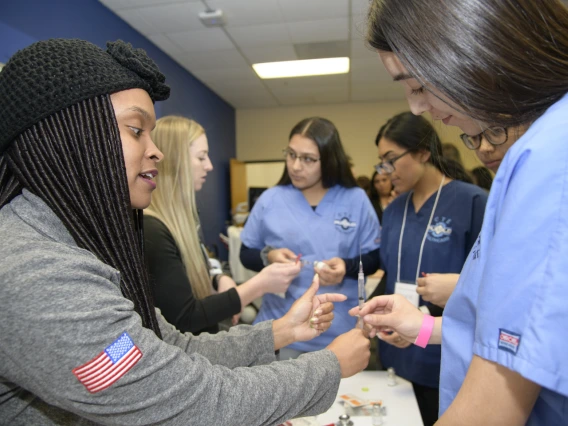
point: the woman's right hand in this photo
(276, 277)
(281, 255)
(391, 312)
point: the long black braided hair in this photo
(73, 161)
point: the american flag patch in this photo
(110, 365)
(509, 341)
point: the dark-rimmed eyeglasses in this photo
(387, 167)
(291, 156)
(494, 135)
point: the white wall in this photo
(262, 133)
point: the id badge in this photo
(408, 290)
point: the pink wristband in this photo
(425, 331)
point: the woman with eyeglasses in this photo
(318, 216)
(483, 65)
(430, 227)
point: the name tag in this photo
(407, 290)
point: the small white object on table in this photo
(399, 400)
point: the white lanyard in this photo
(425, 233)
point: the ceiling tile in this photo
(135, 19)
(132, 4)
(174, 17)
(209, 39)
(248, 12)
(366, 92)
(261, 35)
(318, 31)
(166, 44)
(311, 10)
(359, 10)
(360, 50)
(250, 98)
(257, 55)
(369, 70)
(213, 60)
(231, 76)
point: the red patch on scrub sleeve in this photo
(110, 365)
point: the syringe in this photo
(361, 292)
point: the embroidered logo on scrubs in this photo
(110, 365)
(476, 248)
(439, 231)
(509, 341)
(342, 222)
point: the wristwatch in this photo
(264, 255)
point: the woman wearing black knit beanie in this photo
(80, 339)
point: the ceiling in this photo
(265, 31)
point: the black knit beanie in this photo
(54, 74)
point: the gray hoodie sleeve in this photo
(62, 308)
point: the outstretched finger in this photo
(331, 297)
(379, 303)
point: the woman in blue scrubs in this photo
(430, 227)
(486, 67)
(317, 211)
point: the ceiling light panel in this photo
(302, 68)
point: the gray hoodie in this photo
(63, 314)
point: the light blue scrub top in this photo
(343, 221)
(511, 303)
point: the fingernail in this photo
(313, 320)
(318, 312)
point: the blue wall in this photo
(23, 22)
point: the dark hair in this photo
(415, 133)
(450, 151)
(375, 197)
(483, 177)
(335, 163)
(59, 159)
(364, 183)
(502, 62)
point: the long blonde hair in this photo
(173, 201)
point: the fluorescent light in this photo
(302, 68)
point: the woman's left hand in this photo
(331, 272)
(312, 314)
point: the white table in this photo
(399, 400)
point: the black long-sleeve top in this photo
(172, 290)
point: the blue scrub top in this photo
(343, 221)
(455, 226)
(511, 303)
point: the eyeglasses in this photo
(387, 167)
(494, 135)
(291, 156)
